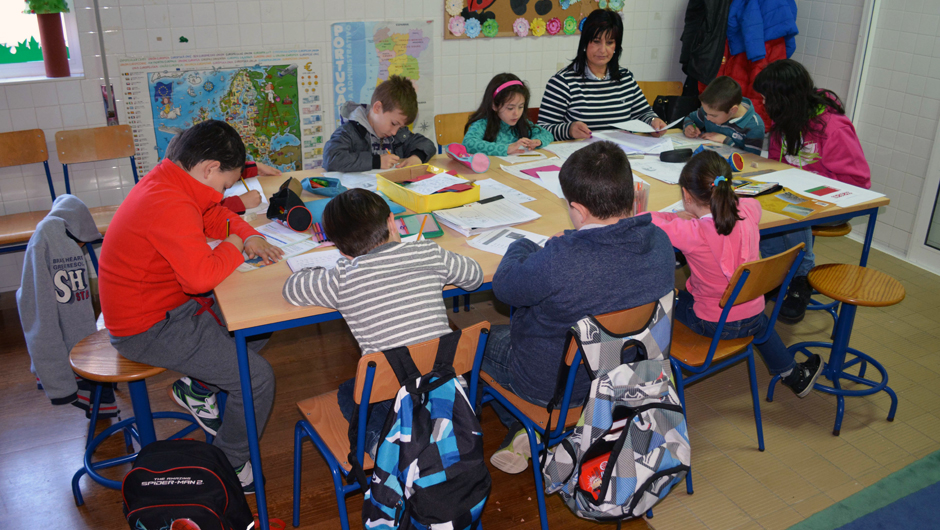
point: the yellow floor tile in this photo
(780, 519)
(814, 504)
(789, 486)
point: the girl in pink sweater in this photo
(809, 130)
(717, 233)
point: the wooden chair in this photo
(448, 128)
(26, 147)
(703, 356)
(535, 418)
(92, 145)
(324, 424)
(651, 89)
(828, 231)
(852, 286)
(96, 360)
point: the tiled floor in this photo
(805, 468)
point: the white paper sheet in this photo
(326, 259)
(653, 167)
(289, 251)
(498, 241)
(819, 188)
(516, 170)
(475, 218)
(565, 149)
(354, 180)
(239, 189)
(280, 236)
(632, 143)
(549, 181)
(524, 157)
(492, 188)
(435, 183)
(674, 208)
(638, 126)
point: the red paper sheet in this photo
(534, 172)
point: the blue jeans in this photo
(784, 241)
(774, 352)
(377, 415)
(496, 358)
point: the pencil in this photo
(227, 226)
(422, 228)
(247, 189)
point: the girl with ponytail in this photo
(718, 232)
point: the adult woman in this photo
(594, 92)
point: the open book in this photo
(483, 216)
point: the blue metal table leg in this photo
(251, 425)
(143, 416)
(869, 234)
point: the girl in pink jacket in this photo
(809, 130)
(717, 233)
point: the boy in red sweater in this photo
(155, 264)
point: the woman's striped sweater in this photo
(598, 103)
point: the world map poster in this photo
(367, 53)
(273, 100)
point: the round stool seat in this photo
(856, 285)
(94, 358)
(832, 231)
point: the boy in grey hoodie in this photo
(54, 301)
(376, 136)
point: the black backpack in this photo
(184, 485)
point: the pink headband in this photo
(504, 85)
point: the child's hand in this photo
(267, 171)
(579, 130)
(251, 199)
(714, 137)
(692, 131)
(410, 161)
(519, 146)
(530, 143)
(257, 247)
(389, 160)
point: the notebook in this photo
(483, 216)
(326, 259)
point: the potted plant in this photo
(54, 53)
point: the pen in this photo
(422, 228)
(227, 226)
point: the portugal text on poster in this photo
(273, 98)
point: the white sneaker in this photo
(246, 477)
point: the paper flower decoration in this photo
(553, 26)
(45, 7)
(538, 27)
(456, 25)
(490, 28)
(615, 5)
(473, 28)
(571, 25)
(521, 27)
(565, 4)
(454, 7)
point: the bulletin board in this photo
(478, 19)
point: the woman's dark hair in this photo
(208, 140)
(599, 24)
(491, 115)
(793, 103)
(698, 178)
(356, 221)
(599, 178)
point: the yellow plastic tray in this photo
(387, 183)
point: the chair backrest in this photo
(385, 385)
(619, 322)
(765, 275)
(534, 114)
(91, 145)
(448, 128)
(651, 89)
(23, 147)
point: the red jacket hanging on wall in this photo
(744, 71)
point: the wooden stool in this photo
(95, 359)
(831, 307)
(853, 286)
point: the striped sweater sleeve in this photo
(461, 271)
(316, 286)
(553, 113)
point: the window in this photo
(20, 50)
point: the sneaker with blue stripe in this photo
(200, 403)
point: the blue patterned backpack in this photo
(631, 444)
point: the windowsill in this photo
(39, 79)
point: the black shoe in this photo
(804, 376)
(794, 305)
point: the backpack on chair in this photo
(631, 444)
(429, 467)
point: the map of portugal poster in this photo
(273, 100)
(367, 53)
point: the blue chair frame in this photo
(304, 429)
(742, 274)
(538, 439)
(93, 140)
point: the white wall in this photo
(827, 40)
(133, 27)
(900, 108)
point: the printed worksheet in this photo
(498, 241)
(326, 259)
(492, 188)
(253, 184)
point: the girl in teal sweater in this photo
(501, 125)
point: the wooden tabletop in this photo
(254, 298)
(19, 227)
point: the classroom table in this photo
(251, 302)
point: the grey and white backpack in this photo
(631, 444)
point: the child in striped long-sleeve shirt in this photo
(389, 292)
